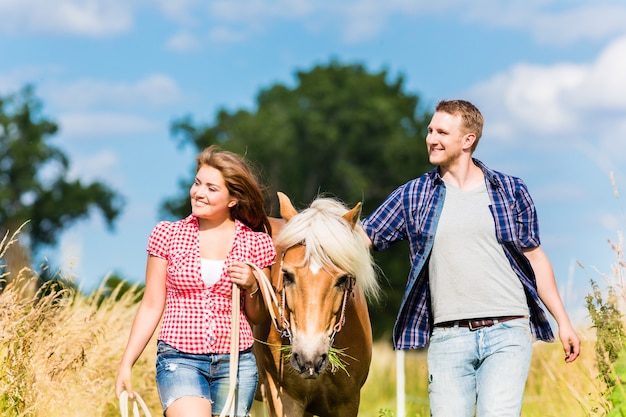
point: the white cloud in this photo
(153, 91)
(183, 42)
(567, 105)
(181, 11)
(596, 22)
(555, 21)
(605, 82)
(355, 20)
(103, 166)
(82, 126)
(225, 34)
(558, 22)
(255, 12)
(76, 17)
(15, 78)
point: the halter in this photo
(282, 323)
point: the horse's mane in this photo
(330, 240)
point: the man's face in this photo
(445, 139)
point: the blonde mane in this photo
(331, 241)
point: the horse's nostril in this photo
(296, 359)
(322, 362)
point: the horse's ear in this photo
(354, 215)
(287, 211)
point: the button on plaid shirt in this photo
(197, 317)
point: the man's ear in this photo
(468, 140)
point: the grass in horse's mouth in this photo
(335, 356)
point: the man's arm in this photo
(549, 295)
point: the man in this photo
(477, 273)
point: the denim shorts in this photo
(180, 374)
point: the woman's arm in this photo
(145, 322)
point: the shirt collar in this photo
(490, 175)
(191, 219)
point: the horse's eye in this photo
(343, 282)
(288, 277)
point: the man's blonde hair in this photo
(470, 115)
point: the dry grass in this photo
(59, 357)
(59, 354)
(554, 388)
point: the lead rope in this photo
(269, 297)
(137, 399)
(234, 353)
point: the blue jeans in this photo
(482, 371)
(180, 374)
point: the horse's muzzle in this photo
(309, 368)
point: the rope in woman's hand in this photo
(269, 297)
(136, 400)
(229, 405)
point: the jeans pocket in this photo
(441, 334)
(164, 349)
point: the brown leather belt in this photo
(475, 324)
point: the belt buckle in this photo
(476, 325)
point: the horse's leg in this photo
(347, 409)
(278, 403)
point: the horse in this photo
(322, 279)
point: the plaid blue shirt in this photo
(412, 212)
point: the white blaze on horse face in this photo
(314, 267)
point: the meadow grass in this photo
(60, 350)
(59, 357)
(59, 354)
(554, 388)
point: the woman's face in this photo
(210, 198)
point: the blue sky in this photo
(548, 76)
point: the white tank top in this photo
(211, 270)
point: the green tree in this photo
(35, 190)
(341, 130)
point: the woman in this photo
(192, 264)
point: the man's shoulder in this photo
(426, 179)
(499, 178)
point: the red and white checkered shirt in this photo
(198, 317)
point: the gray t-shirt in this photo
(470, 276)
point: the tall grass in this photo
(59, 350)
(554, 388)
(59, 353)
(59, 356)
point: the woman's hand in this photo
(241, 274)
(122, 382)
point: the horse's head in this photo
(324, 256)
